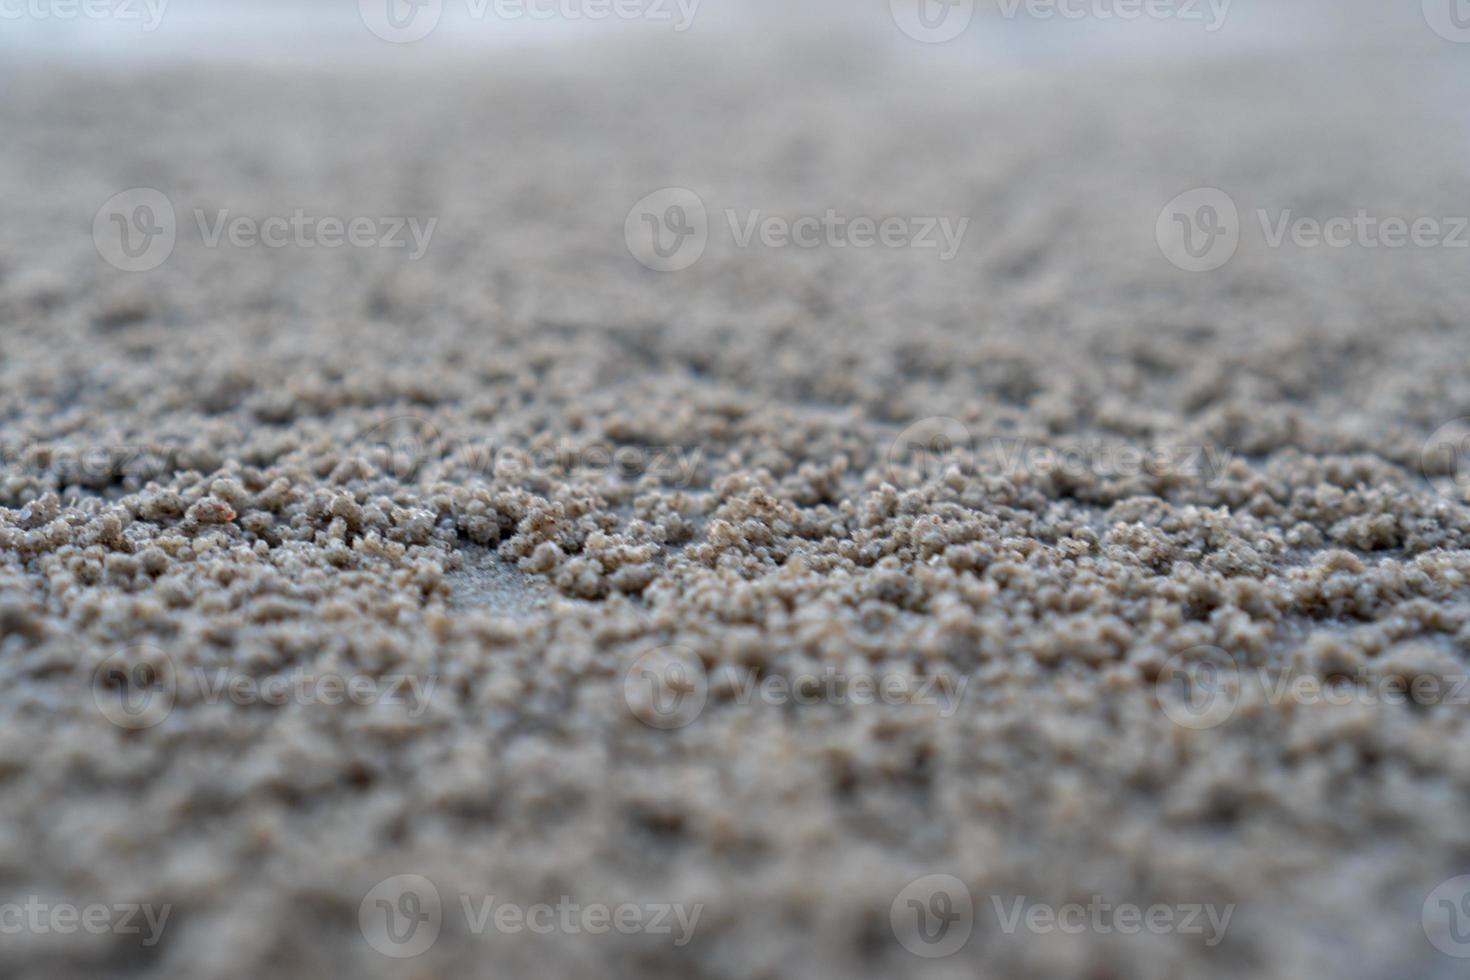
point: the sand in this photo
(557, 532)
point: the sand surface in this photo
(570, 509)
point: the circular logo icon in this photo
(933, 916)
(400, 917)
(136, 230)
(1199, 230)
(1446, 917)
(666, 688)
(400, 445)
(932, 444)
(401, 21)
(135, 688)
(667, 231)
(1445, 459)
(932, 21)
(1450, 19)
(1199, 688)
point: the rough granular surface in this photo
(762, 590)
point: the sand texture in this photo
(523, 468)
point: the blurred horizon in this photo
(334, 31)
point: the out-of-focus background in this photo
(225, 454)
(998, 31)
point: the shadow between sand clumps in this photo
(490, 584)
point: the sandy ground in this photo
(568, 526)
